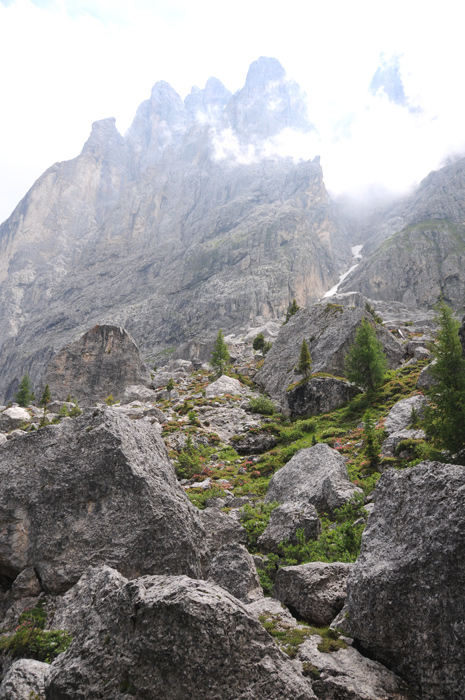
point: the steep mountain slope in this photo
(418, 245)
(173, 231)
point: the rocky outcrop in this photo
(414, 543)
(182, 637)
(316, 475)
(24, 679)
(95, 489)
(313, 592)
(422, 259)
(329, 328)
(104, 361)
(199, 237)
(320, 395)
(284, 523)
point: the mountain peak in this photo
(262, 72)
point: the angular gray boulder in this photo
(320, 395)
(171, 637)
(284, 523)
(405, 592)
(400, 415)
(316, 475)
(94, 489)
(347, 675)
(104, 361)
(25, 680)
(313, 592)
(329, 327)
(13, 417)
(234, 570)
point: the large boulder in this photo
(13, 417)
(316, 475)
(284, 523)
(313, 592)
(170, 637)
(233, 569)
(405, 592)
(223, 385)
(329, 327)
(95, 489)
(400, 415)
(25, 680)
(320, 395)
(104, 361)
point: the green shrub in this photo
(254, 519)
(31, 641)
(262, 405)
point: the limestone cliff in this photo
(417, 246)
(165, 231)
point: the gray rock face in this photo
(182, 637)
(329, 327)
(198, 240)
(234, 570)
(400, 415)
(314, 592)
(347, 675)
(284, 522)
(320, 395)
(96, 489)
(316, 475)
(221, 529)
(104, 361)
(426, 379)
(405, 592)
(423, 258)
(25, 679)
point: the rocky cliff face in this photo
(418, 245)
(178, 229)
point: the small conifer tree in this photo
(445, 418)
(25, 394)
(170, 387)
(366, 362)
(258, 342)
(45, 398)
(220, 355)
(305, 361)
(291, 310)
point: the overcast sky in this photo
(67, 63)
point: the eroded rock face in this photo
(405, 592)
(329, 327)
(284, 522)
(104, 361)
(182, 637)
(314, 592)
(320, 395)
(95, 489)
(316, 475)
